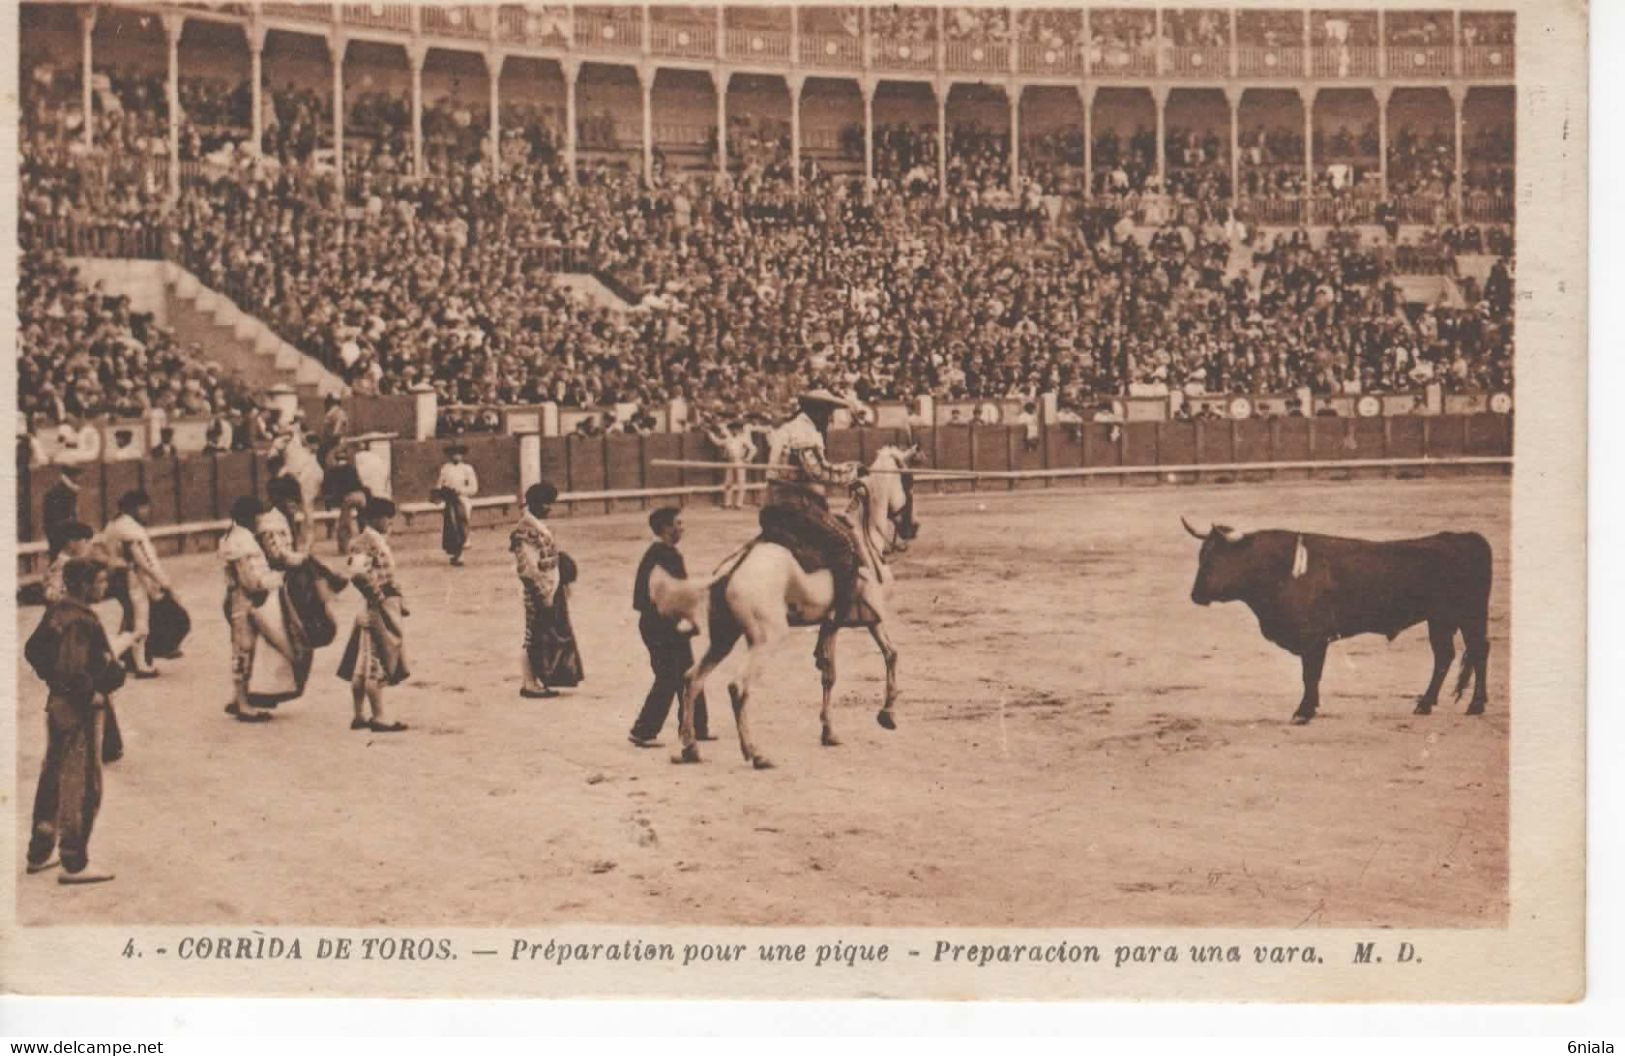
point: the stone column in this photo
(1458, 106)
(1233, 97)
(173, 26)
(256, 88)
(646, 81)
(721, 78)
(1382, 93)
(1087, 94)
(943, 88)
(416, 54)
(867, 87)
(87, 73)
(795, 82)
(494, 61)
(1014, 93)
(337, 45)
(1307, 96)
(1159, 97)
(571, 68)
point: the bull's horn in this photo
(1188, 528)
(1228, 534)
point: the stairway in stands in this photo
(201, 317)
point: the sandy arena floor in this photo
(1079, 744)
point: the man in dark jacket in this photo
(670, 654)
(71, 654)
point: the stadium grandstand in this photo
(615, 209)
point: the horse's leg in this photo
(877, 630)
(754, 663)
(723, 638)
(825, 656)
(693, 682)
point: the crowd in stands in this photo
(83, 353)
(744, 290)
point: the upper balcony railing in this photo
(1420, 60)
(1487, 60)
(379, 16)
(302, 12)
(1255, 61)
(1345, 61)
(621, 32)
(683, 40)
(970, 56)
(1204, 62)
(759, 45)
(1050, 59)
(1119, 60)
(462, 20)
(620, 35)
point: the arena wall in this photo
(192, 494)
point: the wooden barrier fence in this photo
(192, 495)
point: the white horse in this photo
(301, 463)
(766, 592)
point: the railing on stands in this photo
(1343, 209)
(690, 40)
(301, 12)
(620, 30)
(77, 238)
(1197, 62)
(1258, 61)
(759, 45)
(609, 34)
(458, 20)
(678, 134)
(1422, 209)
(905, 54)
(822, 140)
(831, 49)
(1489, 60)
(1119, 60)
(1044, 59)
(1275, 212)
(1406, 61)
(1351, 61)
(971, 56)
(1422, 260)
(379, 16)
(1487, 208)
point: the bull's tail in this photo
(1465, 676)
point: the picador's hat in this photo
(824, 396)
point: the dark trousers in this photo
(670, 657)
(70, 788)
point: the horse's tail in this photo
(681, 599)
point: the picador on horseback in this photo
(797, 507)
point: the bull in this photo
(1308, 591)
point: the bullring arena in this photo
(1078, 744)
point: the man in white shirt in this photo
(130, 550)
(456, 488)
(734, 441)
